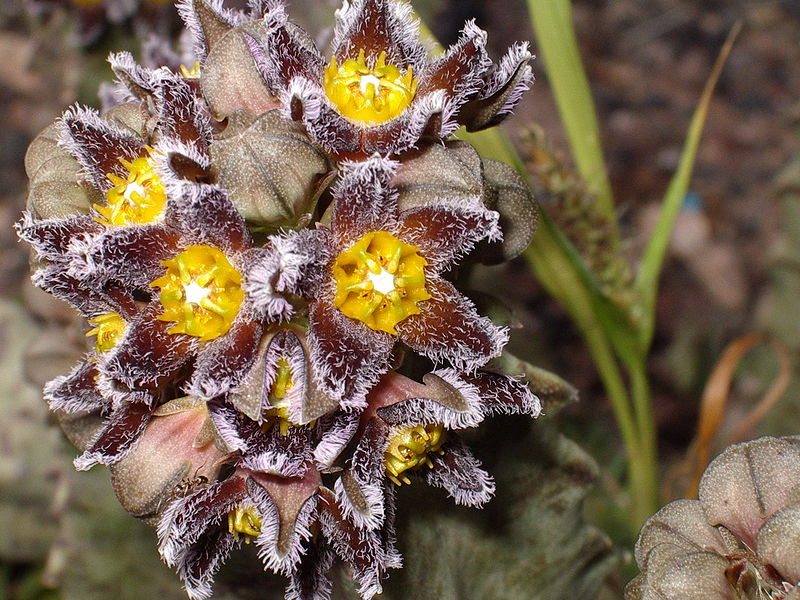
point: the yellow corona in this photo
(279, 413)
(410, 448)
(370, 95)
(193, 73)
(245, 521)
(109, 329)
(136, 199)
(201, 292)
(379, 281)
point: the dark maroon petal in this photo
(148, 355)
(208, 21)
(236, 430)
(181, 113)
(459, 71)
(443, 398)
(448, 328)
(76, 392)
(133, 77)
(186, 520)
(363, 199)
(284, 52)
(198, 565)
(275, 453)
(458, 472)
(333, 132)
(205, 215)
(502, 394)
(131, 255)
(225, 361)
(337, 429)
(51, 237)
(360, 488)
(310, 581)
(55, 280)
(118, 436)
(445, 234)
(98, 145)
(501, 91)
(377, 26)
(347, 357)
(361, 549)
(288, 508)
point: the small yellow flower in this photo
(193, 73)
(109, 329)
(279, 413)
(201, 292)
(136, 199)
(379, 281)
(244, 520)
(370, 95)
(410, 448)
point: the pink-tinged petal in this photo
(360, 488)
(378, 26)
(503, 88)
(309, 580)
(207, 21)
(337, 430)
(119, 435)
(76, 392)
(225, 361)
(284, 52)
(55, 280)
(443, 398)
(258, 8)
(363, 199)
(182, 115)
(288, 507)
(148, 356)
(448, 328)
(186, 520)
(262, 283)
(458, 472)
(459, 71)
(276, 453)
(347, 357)
(134, 78)
(446, 234)
(361, 549)
(51, 237)
(502, 394)
(98, 145)
(131, 255)
(205, 215)
(200, 563)
(303, 258)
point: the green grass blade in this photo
(552, 24)
(653, 257)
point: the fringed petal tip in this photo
(460, 474)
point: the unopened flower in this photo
(738, 541)
(379, 92)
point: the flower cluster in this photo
(738, 540)
(263, 248)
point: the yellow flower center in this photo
(193, 73)
(246, 521)
(371, 95)
(279, 413)
(410, 448)
(136, 199)
(201, 292)
(379, 281)
(109, 329)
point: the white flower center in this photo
(382, 282)
(195, 292)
